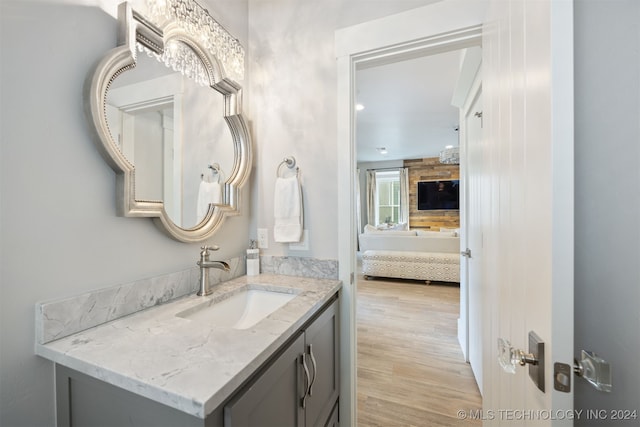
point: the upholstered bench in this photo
(425, 266)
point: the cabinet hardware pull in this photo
(303, 400)
(315, 369)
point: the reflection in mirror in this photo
(169, 120)
(171, 127)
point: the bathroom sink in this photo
(240, 310)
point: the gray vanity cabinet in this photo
(272, 397)
(300, 388)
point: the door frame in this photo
(440, 27)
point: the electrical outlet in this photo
(263, 238)
(302, 245)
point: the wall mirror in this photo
(167, 112)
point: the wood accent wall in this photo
(430, 169)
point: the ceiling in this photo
(407, 108)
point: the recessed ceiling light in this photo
(382, 150)
(359, 107)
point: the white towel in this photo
(287, 210)
(209, 192)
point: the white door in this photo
(527, 207)
(473, 161)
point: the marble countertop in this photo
(163, 357)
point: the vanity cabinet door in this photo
(300, 387)
(322, 347)
(274, 399)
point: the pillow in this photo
(455, 231)
(370, 229)
(401, 226)
(386, 227)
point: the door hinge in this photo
(478, 114)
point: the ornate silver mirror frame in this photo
(136, 30)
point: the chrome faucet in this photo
(205, 264)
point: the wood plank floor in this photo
(411, 371)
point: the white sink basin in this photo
(239, 311)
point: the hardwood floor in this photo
(411, 371)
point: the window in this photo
(387, 197)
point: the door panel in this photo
(527, 216)
(473, 125)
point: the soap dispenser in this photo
(253, 260)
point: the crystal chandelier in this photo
(196, 21)
(450, 156)
(180, 58)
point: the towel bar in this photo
(290, 162)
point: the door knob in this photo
(594, 369)
(510, 357)
(466, 253)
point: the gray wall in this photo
(292, 66)
(59, 232)
(607, 223)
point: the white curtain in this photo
(404, 196)
(371, 197)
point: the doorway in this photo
(415, 108)
(461, 30)
(528, 167)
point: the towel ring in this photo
(289, 162)
(215, 170)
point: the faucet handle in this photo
(204, 255)
(206, 249)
